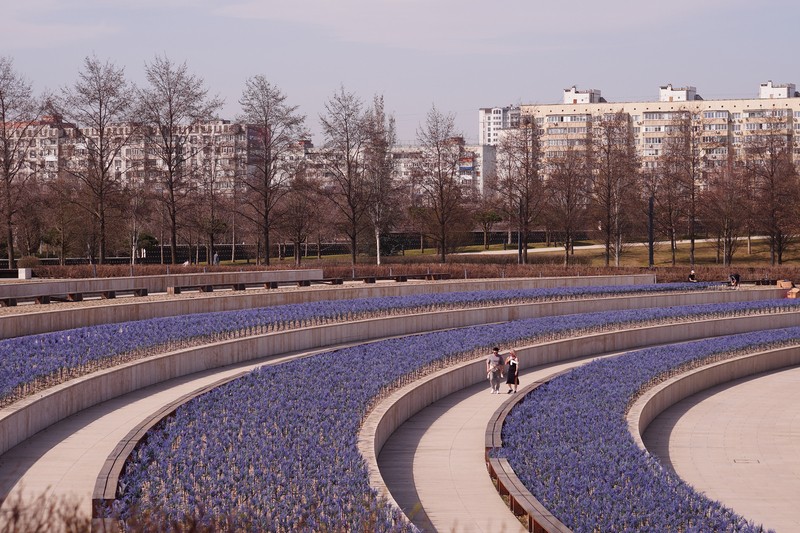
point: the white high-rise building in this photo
(683, 94)
(767, 90)
(492, 120)
(586, 96)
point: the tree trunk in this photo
(10, 242)
(265, 230)
(9, 223)
(443, 244)
(378, 245)
(101, 215)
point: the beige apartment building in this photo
(216, 152)
(723, 127)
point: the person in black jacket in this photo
(512, 371)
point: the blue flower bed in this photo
(279, 445)
(53, 357)
(569, 443)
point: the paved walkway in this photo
(552, 249)
(739, 444)
(434, 464)
(65, 459)
(741, 447)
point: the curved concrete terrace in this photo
(24, 418)
(425, 444)
(737, 442)
(65, 458)
(157, 283)
(29, 320)
(646, 301)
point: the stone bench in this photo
(46, 296)
(204, 287)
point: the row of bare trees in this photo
(591, 184)
(98, 102)
(93, 206)
(588, 186)
(596, 184)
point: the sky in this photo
(456, 55)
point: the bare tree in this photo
(31, 221)
(208, 189)
(379, 167)
(345, 132)
(139, 209)
(171, 105)
(274, 131)
(299, 220)
(521, 178)
(20, 114)
(442, 194)
(685, 154)
(568, 202)
(614, 167)
(768, 163)
(100, 104)
(486, 216)
(64, 217)
(669, 201)
(721, 206)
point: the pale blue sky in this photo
(457, 54)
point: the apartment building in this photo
(475, 166)
(492, 120)
(218, 152)
(42, 145)
(724, 127)
(215, 152)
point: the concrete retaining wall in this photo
(665, 395)
(151, 283)
(53, 319)
(26, 417)
(406, 402)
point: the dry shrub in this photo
(458, 267)
(43, 513)
(28, 261)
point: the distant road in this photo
(552, 249)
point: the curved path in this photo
(65, 459)
(742, 448)
(446, 470)
(434, 464)
(739, 443)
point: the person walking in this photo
(494, 370)
(512, 372)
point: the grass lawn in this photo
(705, 254)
